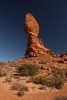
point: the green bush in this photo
(58, 78)
(53, 81)
(56, 81)
(59, 82)
(58, 71)
(28, 69)
(40, 80)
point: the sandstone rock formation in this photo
(35, 46)
(31, 26)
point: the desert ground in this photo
(48, 94)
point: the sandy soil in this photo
(7, 94)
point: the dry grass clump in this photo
(21, 89)
(8, 79)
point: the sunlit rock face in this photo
(30, 25)
(35, 46)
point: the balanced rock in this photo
(31, 26)
(35, 46)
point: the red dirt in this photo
(7, 94)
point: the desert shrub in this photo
(8, 79)
(28, 69)
(42, 87)
(56, 81)
(20, 93)
(2, 72)
(60, 98)
(40, 80)
(42, 61)
(58, 71)
(19, 87)
(65, 72)
(61, 72)
(58, 78)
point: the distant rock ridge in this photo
(35, 46)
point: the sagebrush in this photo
(28, 69)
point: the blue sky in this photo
(51, 16)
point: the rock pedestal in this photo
(35, 46)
